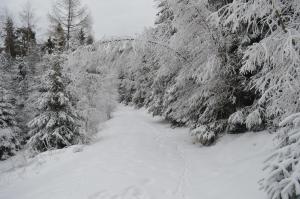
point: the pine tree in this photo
(57, 123)
(49, 46)
(25, 40)
(89, 40)
(8, 139)
(28, 19)
(81, 37)
(59, 38)
(8, 130)
(9, 37)
(271, 52)
(282, 180)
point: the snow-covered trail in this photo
(140, 157)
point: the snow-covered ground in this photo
(140, 157)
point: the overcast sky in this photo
(110, 17)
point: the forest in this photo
(216, 67)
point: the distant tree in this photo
(28, 20)
(89, 39)
(82, 37)
(25, 40)
(49, 45)
(9, 36)
(59, 38)
(71, 15)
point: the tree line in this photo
(241, 74)
(37, 107)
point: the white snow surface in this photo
(137, 156)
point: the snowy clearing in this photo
(140, 157)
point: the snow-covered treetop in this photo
(260, 16)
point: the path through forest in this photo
(137, 156)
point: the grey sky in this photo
(110, 17)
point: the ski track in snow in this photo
(140, 157)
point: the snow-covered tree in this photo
(57, 122)
(271, 58)
(163, 21)
(93, 72)
(59, 38)
(282, 179)
(9, 36)
(28, 20)
(81, 36)
(9, 141)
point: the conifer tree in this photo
(9, 37)
(8, 142)
(89, 39)
(8, 137)
(49, 46)
(57, 123)
(81, 37)
(59, 38)
(28, 19)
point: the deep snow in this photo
(139, 157)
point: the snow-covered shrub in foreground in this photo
(254, 121)
(204, 135)
(236, 122)
(283, 167)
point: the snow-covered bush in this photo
(282, 179)
(57, 123)
(236, 122)
(254, 121)
(204, 135)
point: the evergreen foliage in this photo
(9, 37)
(9, 137)
(57, 123)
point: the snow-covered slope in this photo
(140, 157)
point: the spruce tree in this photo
(8, 141)
(59, 38)
(9, 37)
(81, 37)
(89, 40)
(49, 46)
(57, 124)
(8, 130)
